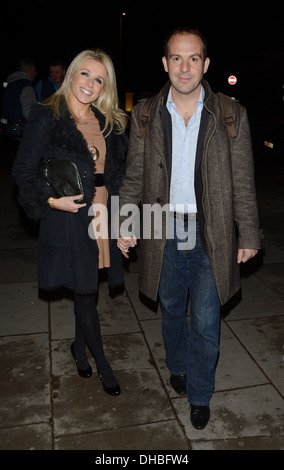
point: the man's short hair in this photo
(186, 30)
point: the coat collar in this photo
(67, 137)
(162, 135)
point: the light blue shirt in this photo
(184, 142)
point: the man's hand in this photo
(244, 254)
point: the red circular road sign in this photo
(232, 79)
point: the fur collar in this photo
(64, 135)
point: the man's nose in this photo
(185, 66)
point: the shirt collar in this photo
(171, 105)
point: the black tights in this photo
(88, 332)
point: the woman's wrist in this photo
(50, 202)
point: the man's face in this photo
(31, 71)
(57, 73)
(185, 63)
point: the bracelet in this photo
(50, 202)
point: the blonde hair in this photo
(107, 102)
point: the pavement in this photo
(45, 405)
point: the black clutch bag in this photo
(63, 177)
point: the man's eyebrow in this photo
(192, 55)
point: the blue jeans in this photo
(190, 350)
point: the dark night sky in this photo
(248, 44)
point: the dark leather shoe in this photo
(86, 373)
(199, 416)
(114, 391)
(178, 382)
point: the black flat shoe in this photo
(178, 382)
(199, 416)
(86, 373)
(114, 391)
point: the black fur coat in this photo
(67, 255)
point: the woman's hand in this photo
(67, 203)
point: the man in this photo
(48, 86)
(186, 162)
(19, 95)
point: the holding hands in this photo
(124, 243)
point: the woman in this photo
(81, 122)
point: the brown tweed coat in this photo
(224, 186)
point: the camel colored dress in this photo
(92, 134)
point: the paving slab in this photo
(273, 244)
(25, 380)
(255, 300)
(156, 436)
(272, 275)
(245, 443)
(263, 339)
(236, 414)
(29, 437)
(22, 311)
(82, 406)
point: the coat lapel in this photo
(167, 137)
(201, 136)
(161, 133)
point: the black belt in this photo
(99, 179)
(179, 215)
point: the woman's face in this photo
(89, 81)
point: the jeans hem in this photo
(177, 373)
(198, 403)
(174, 373)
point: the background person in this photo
(46, 87)
(19, 95)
